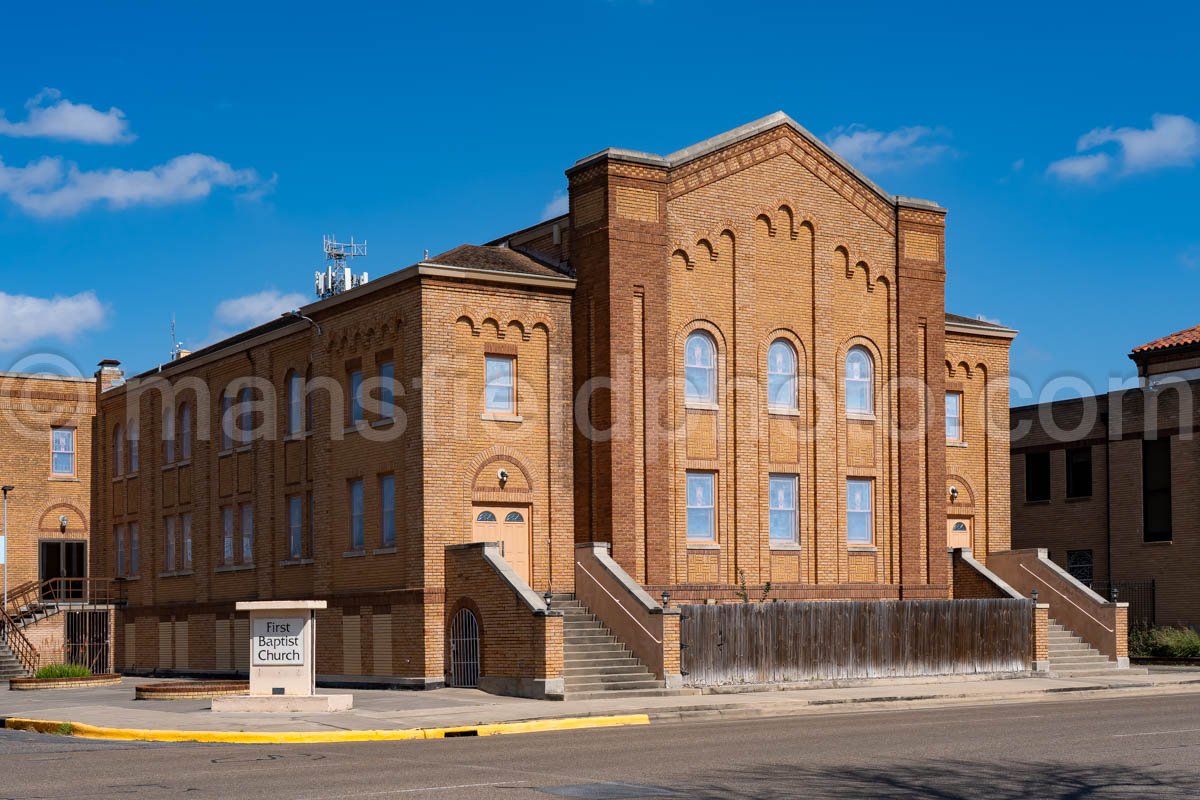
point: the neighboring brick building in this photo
(46, 429)
(732, 363)
(1106, 484)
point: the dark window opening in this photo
(1156, 490)
(1079, 564)
(1079, 472)
(1037, 477)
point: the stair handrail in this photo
(20, 646)
(21, 594)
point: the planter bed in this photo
(190, 690)
(29, 684)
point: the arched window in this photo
(118, 451)
(514, 516)
(860, 392)
(295, 402)
(486, 516)
(781, 375)
(134, 446)
(226, 421)
(245, 415)
(184, 431)
(700, 369)
(169, 436)
(308, 403)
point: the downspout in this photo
(1108, 498)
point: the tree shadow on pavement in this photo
(948, 780)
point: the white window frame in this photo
(955, 434)
(507, 380)
(54, 451)
(788, 377)
(775, 506)
(867, 382)
(856, 511)
(696, 504)
(295, 400)
(694, 361)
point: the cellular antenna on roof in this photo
(177, 351)
(338, 277)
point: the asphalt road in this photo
(1146, 747)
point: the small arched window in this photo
(960, 527)
(486, 516)
(184, 431)
(514, 516)
(781, 375)
(700, 369)
(118, 451)
(860, 393)
(295, 402)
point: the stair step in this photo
(586, 660)
(596, 651)
(1081, 662)
(615, 686)
(620, 693)
(589, 638)
(591, 669)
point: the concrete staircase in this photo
(10, 667)
(596, 665)
(1071, 657)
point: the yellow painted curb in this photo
(84, 731)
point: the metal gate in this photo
(464, 649)
(87, 641)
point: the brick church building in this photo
(731, 366)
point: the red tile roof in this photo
(1179, 339)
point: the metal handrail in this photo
(20, 647)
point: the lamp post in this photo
(6, 490)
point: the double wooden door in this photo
(508, 525)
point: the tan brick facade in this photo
(757, 237)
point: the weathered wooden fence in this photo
(779, 642)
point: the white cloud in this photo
(881, 151)
(52, 187)
(27, 319)
(255, 309)
(559, 204)
(1172, 140)
(1080, 168)
(51, 116)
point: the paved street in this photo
(1092, 748)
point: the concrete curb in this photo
(80, 730)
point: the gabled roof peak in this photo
(741, 133)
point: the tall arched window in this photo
(170, 435)
(781, 375)
(118, 451)
(245, 415)
(308, 403)
(134, 446)
(184, 431)
(860, 393)
(227, 421)
(700, 368)
(295, 403)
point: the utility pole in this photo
(6, 490)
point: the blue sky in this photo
(158, 160)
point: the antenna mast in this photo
(338, 277)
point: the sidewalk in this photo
(391, 710)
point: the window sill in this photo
(492, 416)
(118, 478)
(384, 422)
(384, 551)
(354, 554)
(178, 574)
(785, 547)
(245, 448)
(297, 562)
(1166, 542)
(234, 568)
(1080, 499)
(695, 405)
(861, 548)
(128, 578)
(228, 451)
(295, 437)
(956, 444)
(63, 479)
(1037, 502)
(783, 412)
(130, 475)
(703, 546)
(860, 416)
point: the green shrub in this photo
(1164, 643)
(52, 671)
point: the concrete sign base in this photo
(283, 661)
